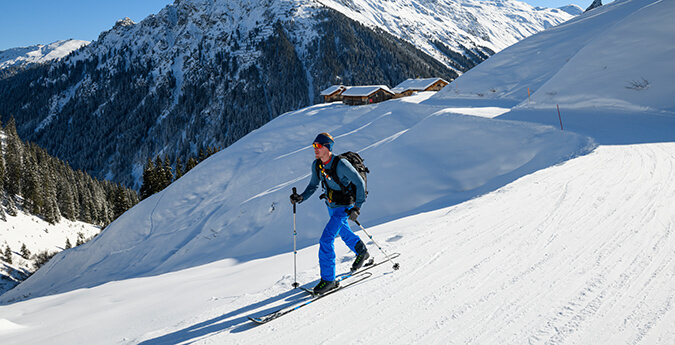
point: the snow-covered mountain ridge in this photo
(204, 73)
(495, 24)
(15, 57)
(510, 231)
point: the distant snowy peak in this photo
(431, 26)
(460, 24)
(574, 10)
(124, 22)
(39, 53)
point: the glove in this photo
(354, 213)
(296, 198)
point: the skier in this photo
(342, 205)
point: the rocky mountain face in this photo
(207, 72)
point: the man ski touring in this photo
(343, 205)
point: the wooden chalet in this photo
(360, 95)
(333, 93)
(411, 86)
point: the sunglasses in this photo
(317, 145)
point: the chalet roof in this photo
(365, 91)
(416, 84)
(333, 89)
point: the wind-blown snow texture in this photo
(516, 232)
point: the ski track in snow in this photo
(545, 259)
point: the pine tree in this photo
(148, 180)
(68, 244)
(8, 255)
(25, 253)
(2, 181)
(80, 239)
(179, 169)
(2, 168)
(202, 155)
(50, 210)
(31, 184)
(168, 175)
(66, 200)
(120, 201)
(13, 160)
(191, 163)
(160, 176)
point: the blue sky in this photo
(28, 22)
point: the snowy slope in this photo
(201, 219)
(500, 243)
(39, 53)
(38, 236)
(579, 67)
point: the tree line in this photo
(48, 187)
(159, 174)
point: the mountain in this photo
(205, 73)
(466, 27)
(574, 10)
(510, 231)
(595, 4)
(18, 57)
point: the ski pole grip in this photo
(295, 191)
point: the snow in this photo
(38, 236)
(415, 84)
(331, 90)
(572, 9)
(365, 90)
(492, 24)
(510, 230)
(39, 53)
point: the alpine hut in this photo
(333, 93)
(360, 95)
(411, 86)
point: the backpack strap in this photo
(344, 195)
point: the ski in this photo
(358, 277)
(367, 266)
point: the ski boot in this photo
(361, 256)
(325, 286)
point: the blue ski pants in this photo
(338, 224)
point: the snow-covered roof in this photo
(416, 84)
(365, 91)
(333, 89)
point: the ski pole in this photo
(295, 250)
(396, 265)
